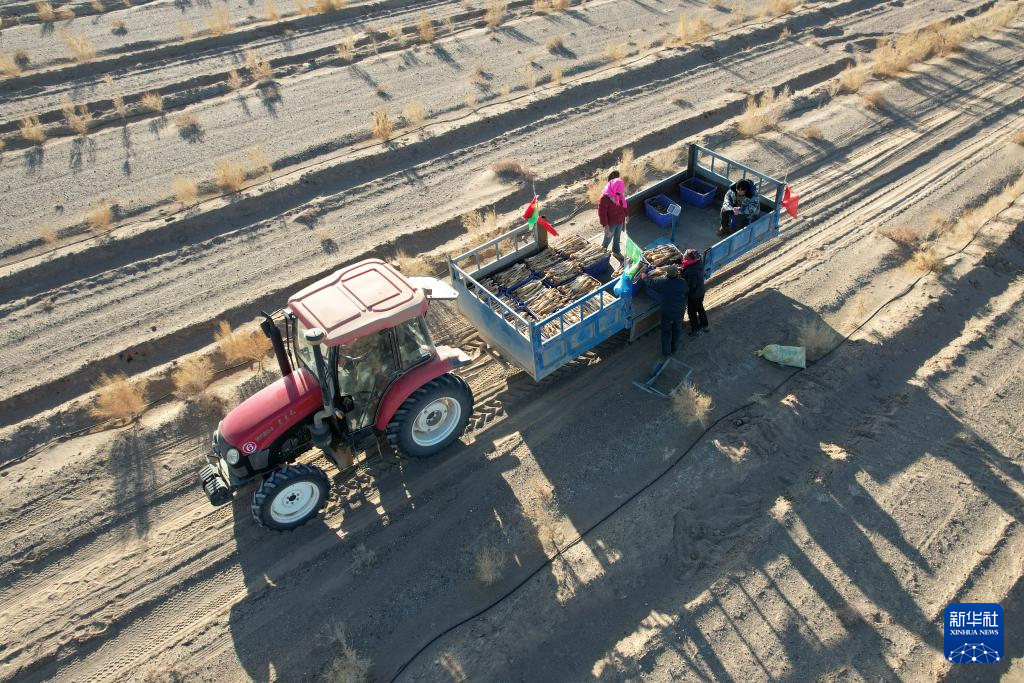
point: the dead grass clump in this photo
(763, 113)
(692, 29)
(9, 65)
(100, 215)
(67, 13)
(44, 11)
(816, 337)
(776, 8)
(414, 114)
(31, 129)
(80, 47)
(119, 27)
(187, 122)
(560, 5)
(615, 52)
(259, 67)
(633, 171)
(490, 564)
(118, 398)
(47, 234)
(237, 345)
(270, 12)
(555, 43)
(692, 406)
(480, 225)
(594, 192)
(874, 99)
(494, 15)
(259, 162)
(78, 119)
(926, 261)
(894, 56)
(513, 170)
(230, 175)
(903, 235)
(116, 97)
(192, 377)
(411, 264)
(186, 190)
(471, 101)
(541, 6)
(853, 78)
(234, 80)
(665, 160)
(348, 666)
(346, 49)
(97, 5)
(812, 133)
(529, 77)
(153, 101)
(556, 74)
(1018, 138)
(383, 126)
(425, 27)
(219, 20)
(184, 30)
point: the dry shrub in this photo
(692, 29)
(529, 77)
(513, 170)
(67, 13)
(449, 26)
(633, 171)
(763, 113)
(555, 43)
(874, 99)
(383, 126)
(559, 5)
(665, 160)
(348, 666)
(9, 65)
(816, 337)
(259, 162)
(304, 8)
(230, 175)
(903, 235)
(47, 234)
(31, 129)
(237, 345)
(615, 52)
(556, 74)
(100, 215)
(219, 20)
(270, 12)
(926, 261)
(234, 80)
(425, 27)
(776, 8)
(186, 190)
(476, 75)
(186, 122)
(494, 15)
(97, 5)
(594, 192)
(480, 225)
(346, 49)
(153, 101)
(853, 77)
(78, 119)
(44, 11)
(506, 90)
(394, 32)
(490, 564)
(80, 47)
(414, 114)
(785, 33)
(259, 67)
(192, 376)
(119, 27)
(116, 97)
(541, 6)
(812, 133)
(1017, 138)
(184, 30)
(692, 406)
(412, 264)
(118, 398)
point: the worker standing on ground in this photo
(672, 289)
(740, 207)
(693, 272)
(612, 212)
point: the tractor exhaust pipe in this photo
(274, 335)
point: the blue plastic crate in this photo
(599, 269)
(664, 221)
(508, 291)
(697, 192)
(550, 283)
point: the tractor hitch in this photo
(216, 490)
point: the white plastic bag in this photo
(794, 356)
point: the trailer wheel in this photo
(290, 497)
(432, 418)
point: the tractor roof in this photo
(358, 300)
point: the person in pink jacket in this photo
(612, 211)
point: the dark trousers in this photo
(732, 222)
(671, 332)
(698, 317)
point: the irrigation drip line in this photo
(579, 538)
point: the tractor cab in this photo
(362, 367)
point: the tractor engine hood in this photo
(263, 417)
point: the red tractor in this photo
(360, 366)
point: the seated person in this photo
(740, 207)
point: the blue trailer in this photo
(541, 346)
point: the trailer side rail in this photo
(578, 327)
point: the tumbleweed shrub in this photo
(346, 49)
(494, 15)
(852, 78)
(559, 5)
(594, 192)
(258, 162)
(192, 376)
(411, 264)
(763, 113)
(100, 215)
(903, 235)
(414, 114)
(692, 406)
(665, 160)
(270, 12)
(31, 129)
(259, 67)
(241, 345)
(9, 64)
(234, 80)
(691, 28)
(153, 101)
(812, 133)
(383, 126)
(425, 27)
(230, 175)
(44, 11)
(555, 43)
(348, 666)
(186, 190)
(509, 170)
(776, 8)
(615, 52)
(632, 170)
(816, 337)
(874, 99)
(78, 119)
(481, 225)
(556, 74)
(926, 260)
(1017, 138)
(118, 398)
(490, 564)
(219, 20)
(81, 48)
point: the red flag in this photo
(547, 226)
(528, 214)
(790, 201)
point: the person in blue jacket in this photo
(673, 290)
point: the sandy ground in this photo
(816, 530)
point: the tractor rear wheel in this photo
(432, 418)
(290, 497)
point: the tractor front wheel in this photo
(432, 418)
(290, 497)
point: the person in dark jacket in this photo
(612, 211)
(672, 289)
(740, 207)
(693, 272)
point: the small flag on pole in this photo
(530, 215)
(547, 226)
(790, 201)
